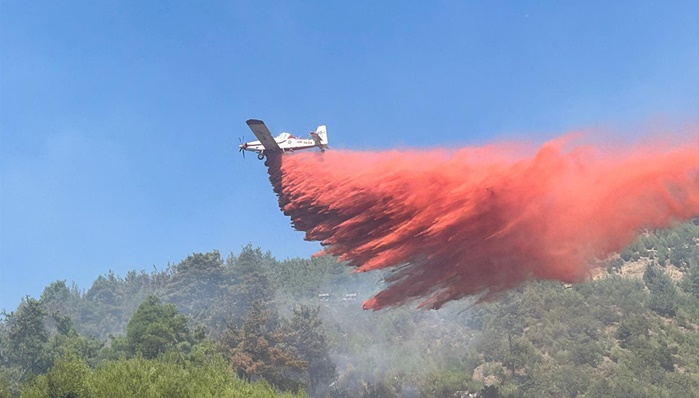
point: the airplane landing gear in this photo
(261, 156)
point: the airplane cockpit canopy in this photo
(285, 136)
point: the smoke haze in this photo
(477, 221)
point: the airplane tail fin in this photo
(321, 136)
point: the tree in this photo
(198, 286)
(156, 328)
(27, 337)
(257, 349)
(445, 384)
(68, 378)
(59, 298)
(691, 281)
(250, 271)
(632, 327)
(103, 309)
(586, 351)
(663, 294)
(304, 332)
(506, 321)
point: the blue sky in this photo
(120, 120)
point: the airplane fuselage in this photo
(282, 143)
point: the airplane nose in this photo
(242, 148)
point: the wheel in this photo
(260, 156)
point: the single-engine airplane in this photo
(282, 143)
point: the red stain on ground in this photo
(479, 221)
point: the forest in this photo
(250, 325)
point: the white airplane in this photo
(284, 142)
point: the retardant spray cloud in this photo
(479, 221)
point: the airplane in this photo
(282, 143)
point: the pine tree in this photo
(303, 332)
(257, 349)
(663, 294)
(27, 337)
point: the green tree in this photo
(199, 287)
(58, 298)
(586, 351)
(304, 333)
(301, 278)
(663, 293)
(444, 384)
(250, 271)
(68, 378)
(691, 281)
(103, 307)
(71, 342)
(27, 337)
(634, 326)
(156, 328)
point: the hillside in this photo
(632, 331)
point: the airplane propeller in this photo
(242, 147)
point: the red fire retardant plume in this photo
(479, 221)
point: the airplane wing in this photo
(262, 133)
